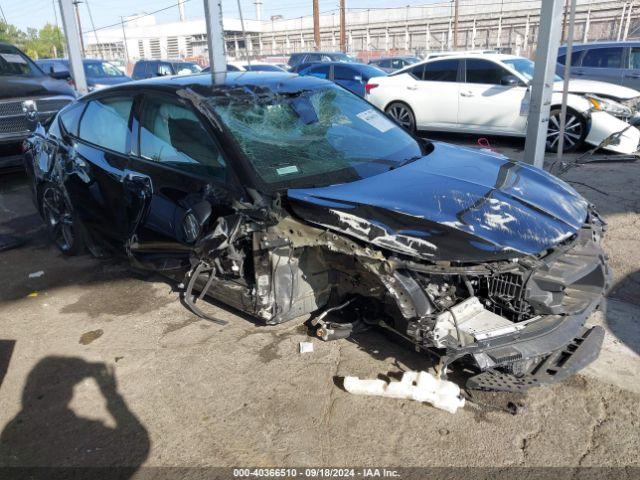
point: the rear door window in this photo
(173, 135)
(320, 71)
(341, 72)
(484, 71)
(441, 71)
(634, 58)
(603, 58)
(105, 123)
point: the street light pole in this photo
(215, 40)
(542, 83)
(316, 24)
(343, 37)
(72, 34)
(75, 4)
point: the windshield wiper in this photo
(406, 161)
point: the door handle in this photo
(412, 87)
(577, 73)
(466, 94)
(139, 180)
(632, 75)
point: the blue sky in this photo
(35, 13)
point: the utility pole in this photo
(316, 24)
(72, 34)
(215, 40)
(343, 36)
(455, 25)
(124, 41)
(75, 4)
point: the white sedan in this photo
(490, 94)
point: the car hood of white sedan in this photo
(610, 90)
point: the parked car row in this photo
(288, 197)
(490, 94)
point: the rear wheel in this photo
(403, 115)
(575, 130)
(62, 224)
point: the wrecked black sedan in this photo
(290, 198)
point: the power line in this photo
(137, 17)
(2, 12)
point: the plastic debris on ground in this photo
(37, 274)
(418, 386)
(306, 347)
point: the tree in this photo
(47, 42)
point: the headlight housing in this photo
(610, 106)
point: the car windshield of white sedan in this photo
(525, 67)
(314, 137)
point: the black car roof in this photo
(275, 81)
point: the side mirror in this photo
(59, 74)
(194, 219)
(510, 80)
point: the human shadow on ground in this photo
(48, 433)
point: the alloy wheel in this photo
(402, 115)
(59, 218)
(573, 131)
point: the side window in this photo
(321, 71)
(164, 69)
(312, 57)
(397, 63)
(105, 123)
(441, 71)
(484, 71)
(417, 72)
(385, 63)
(344, 73)
(70, 118)
(562, 59)
(172, 134)
(634, 58)
(138, 70)
(603, 58)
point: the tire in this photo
(63, 226)
(574, 133)
(402, 114)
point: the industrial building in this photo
(508, 25)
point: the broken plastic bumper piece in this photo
(555, 367)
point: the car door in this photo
(489, 105)
(177, 170)
(631, 74)
(602, 63)
(433, 94)
(96, 162)
(349, 78)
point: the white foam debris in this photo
(419, 386)
(37, 274)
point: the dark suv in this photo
(27, 97)
(162, 68)
(312, 57)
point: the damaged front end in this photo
(516, 320)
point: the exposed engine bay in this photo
(518, 323)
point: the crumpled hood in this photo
(455, 204)
(612, 90)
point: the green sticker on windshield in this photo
(287, 170)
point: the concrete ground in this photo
(106, 367)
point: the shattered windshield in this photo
(314, 137)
